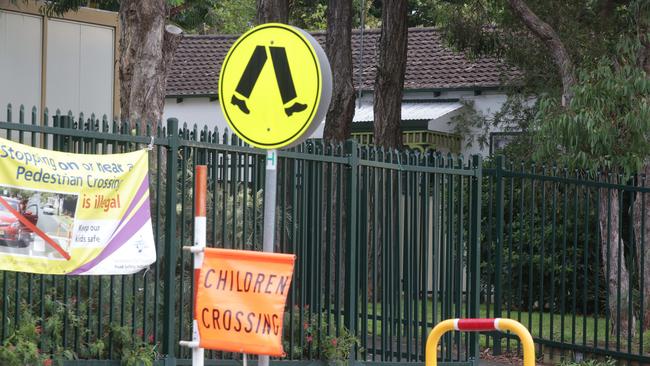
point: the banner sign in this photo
(240, 300)
(63, 213)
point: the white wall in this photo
(79, 68)
(20, 62)
(79, 65)
(199, 111)
(486, 104)
(202, 111)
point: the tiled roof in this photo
(430, 64)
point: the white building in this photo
(438, 82)
(66, 62)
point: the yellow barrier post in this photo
(479, 325)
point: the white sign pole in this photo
(302, 110)
(270, 187)
(200, 233)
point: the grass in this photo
(567, 328)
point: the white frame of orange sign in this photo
(200, 236)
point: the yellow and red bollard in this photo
(479, 325)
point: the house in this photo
(439, 83)
(55, 61)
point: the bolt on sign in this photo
(240, 300)
(275, 86)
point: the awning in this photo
(411, 111)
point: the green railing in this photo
(563, 252)
(386, 243)
(387, 246)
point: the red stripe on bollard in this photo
(476, 325)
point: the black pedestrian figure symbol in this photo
(282, 77)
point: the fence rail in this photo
(564, 254)
(387, 243)
(368, 227)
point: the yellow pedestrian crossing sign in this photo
(275, 86)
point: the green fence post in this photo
(171, 252)
(350, 301)
(499, 250)
(475, 253)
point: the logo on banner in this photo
(240, 300)
(275, 86)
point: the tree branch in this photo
(552, 41)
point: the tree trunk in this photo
(644, 36)
(272, 11)
(642, 234)
(339, 52)
(616, 274)
(552, 41)
(146, 52)
(642, 202)
(338, 122)
(390, 74)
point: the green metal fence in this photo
(563, 252)
(386, 243)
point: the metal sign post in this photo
(270, 188)
(298, 73)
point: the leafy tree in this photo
(606, 127)
(312, 14)
(567, 52)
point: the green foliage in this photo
(213, 16)
(309, 14)
(309, 332)
(588, 29)
(548, 251)
(60, 7)
(607, 362)
(21, 347)
(132, 350)
(312, 14)
(337, 348)
(607, 124)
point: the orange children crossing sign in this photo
(275, 86)
(240, 300)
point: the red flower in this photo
(47, 362)
(39, 329)
(309, 339)
(334, 342)
(305, 326)
(151, 338)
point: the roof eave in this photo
(426, 90)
